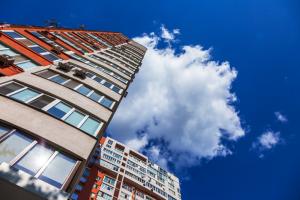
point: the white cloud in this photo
(280, 117)
(182, 99)
(266, 141)
(168, 35)
(137, 143)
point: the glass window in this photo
(106, 187)
(116, 89)
(95, 96)
(109, 180)
(26, 65)
(46, 74)
(59, 110)
(3, 130)
(51, 57)
(83, 90)
(58, 170)
(25, 95)
(34, 159)
(9, 88)
(8, 52)
(107, 84)
(90, 126)
(98, 79)
(58, 79)
(106, 102)
(90, 75)
(38, 49)
(75, 118)
(72, 84)
(102, 195)
(13, 34)
(13, 145)
(42, 101)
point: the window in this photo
(106, 187)
(19, 60)
(104, 82)
(75, 118)
(95, 96)
(41, 101)
(58, 170)
(109, 180)
(37, 159)
(34, 159)
(38, 49)
(9, 88)
(90, 126)
(98, 67)
(106, 102)
(25, 95)
(102, 195)
(53, 106)
(58, 79)
(59, 110)
(33, 46)
(13, 145)
(72, 84)
(83, 90)
(46, 74)
(75, 85)
(3, 130)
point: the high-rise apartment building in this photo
(59, 89)
(120, 173)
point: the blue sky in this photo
(259, 38)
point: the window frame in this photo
(28, 148)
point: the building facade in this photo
(120, 173)
(59, 89)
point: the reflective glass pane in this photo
(26, 65)
(51, 57)
(106, 102)
(42, 101)
(90, 126)
(98, 79)
(34, 159)
(8, 52)
(107, 84)
(116, 89)
(3, 130)
(75, 118)
(12, 146)
(58, 170)
(71, 84)
(95, 96)
(58, 79)
(46, 74)
(38, 49)
(14, 34)
(9, 88)
(83, 90)
(59, 110)
(25, 95)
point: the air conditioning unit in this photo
(66, 67)
(80, 73)
(6, 60)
